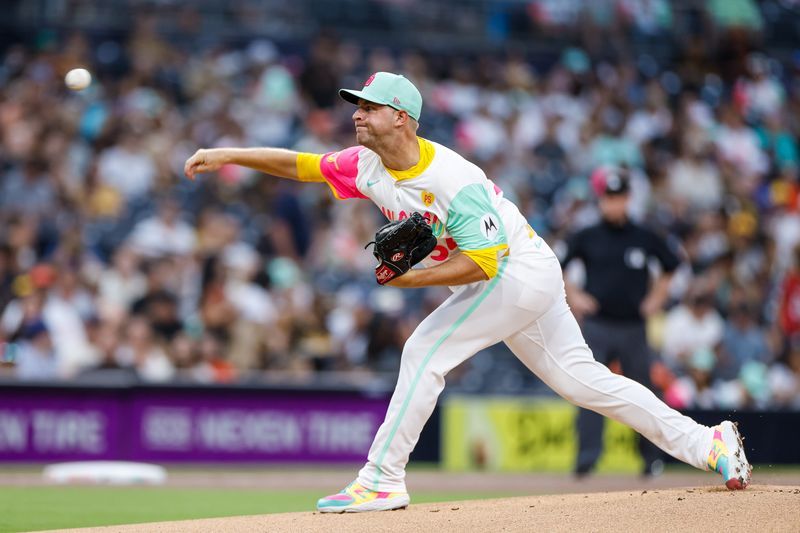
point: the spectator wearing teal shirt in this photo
(777, 141)
(610, 147)
(736, 13)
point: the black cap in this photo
(610, 180)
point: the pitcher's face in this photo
(373, 122)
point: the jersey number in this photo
(442, 252)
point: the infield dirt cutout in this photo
(759, 508)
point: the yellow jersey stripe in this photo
(426, 153)
(486, 258)
(308, 167)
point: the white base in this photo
(105, 472)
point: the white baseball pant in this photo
(524, 306)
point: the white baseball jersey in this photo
(466, 211)
(522, 304)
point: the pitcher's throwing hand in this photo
(203, 161)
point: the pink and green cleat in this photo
(727, 456)
(357, 499)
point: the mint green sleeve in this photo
(473, 222)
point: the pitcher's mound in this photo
(759, 508)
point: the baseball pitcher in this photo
(506, 281)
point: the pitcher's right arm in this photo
(275, 161)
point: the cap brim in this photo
(617, 192)
(353, 97)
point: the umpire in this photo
(620, 293)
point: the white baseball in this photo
(78, 79)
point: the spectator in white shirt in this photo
(36, 359)
(120, 285)
(163, 234)
(691, 326)
(739, 147)
(127, 167)
(693, 178)
(141, 352)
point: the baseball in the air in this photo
(78, 79)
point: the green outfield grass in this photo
(37, 508)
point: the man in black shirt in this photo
(619, 296)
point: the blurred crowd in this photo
(113, 263)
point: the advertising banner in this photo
(36, 427)
(525, 434)
(173, 427)
(187, 425)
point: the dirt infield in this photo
(759, 508)
(546, 502)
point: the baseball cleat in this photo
(357, 499)
(727, 456)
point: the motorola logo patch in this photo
(489, 227)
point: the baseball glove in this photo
(400, 245)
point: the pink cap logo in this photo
(396, 101)
(598, 180)
(369, 80)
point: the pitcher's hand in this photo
(204, 160)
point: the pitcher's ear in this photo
(402, 117)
